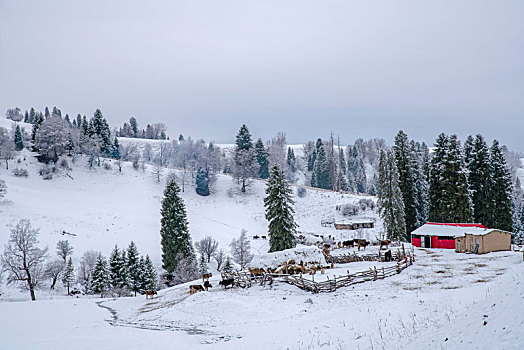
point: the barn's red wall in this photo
(446, 243)
(434, 242)
(416, 242)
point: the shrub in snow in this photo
(241, 250)
(350, 209)
(366, 203)
(3, 189)
(136, 165)
(65, 164)
(107, 166)
(20, 172)
(46, 173)
(301, 192)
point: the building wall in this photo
(492, 242)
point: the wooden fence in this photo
(245, 278)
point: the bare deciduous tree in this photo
(22, 259)
(53, 270)
(220, 257)
(241, 250)
(87, 266)
(207, 247)
(64, 249)
(186, 270)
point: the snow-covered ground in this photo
(445, 301)
(443, 295)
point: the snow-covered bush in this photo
(107, 166)
(20, 172)
(301, 192)
(47, 172)
(366, 203)
(65, 164)
(350, 209)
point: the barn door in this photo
(427, 241)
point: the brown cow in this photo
(385, 242)
(150, 293)
(206, 276)
(195, 288)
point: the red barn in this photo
(442, 235)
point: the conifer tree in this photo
(100, 128)
(174, 228)
(454, 184)
(228, 267)
(421, 187)
(321, 170)
(134, 269)
(291, 160)
(245, 166)
(405, 162)
(150, 276)
(19, 142)
(202, 182)
(501, 216)
(279, 212)
(117, 269)
(115, 153)
(390, 205)
(202, 266)
(68, 275)
(480, 182)
(436, 204)
(261, 155)
(100, 282)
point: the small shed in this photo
(492, 240)
(355, 225)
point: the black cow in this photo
(227, 282)
(387, 256)
(349, 243)
(207, 285)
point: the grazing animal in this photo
(227, 282)
(348, 243)
(385, 242)
(263, 237)
(256, 237)
(206, 276)
(387, 256)
(207, 285)
(195, 288)
(291, 262)
(150, 293)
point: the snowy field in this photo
(444, 301)
(475, 302)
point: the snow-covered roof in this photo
(451, 229)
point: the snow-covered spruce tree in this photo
(454, 184)
(390, 205)
(479, 179)
(291, 160)
(502, 189)
(241, 250)
(202, 182)
(176, 241)
(404, 161)
(101, 280)
(149, 275)
(228, 267)
(68, 275)
(417, 158)
(279, 212)
(134, 269)
(117, 270)
(356, 171)
(115, 152)
(517, 210)
(202, 266)
(19, 141)
(261, 155)
(435, 197)
(22, 259)
(321, 169)
(100, 128)
(245, 165)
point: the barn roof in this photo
(451, 229)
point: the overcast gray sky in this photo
(203, 67)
